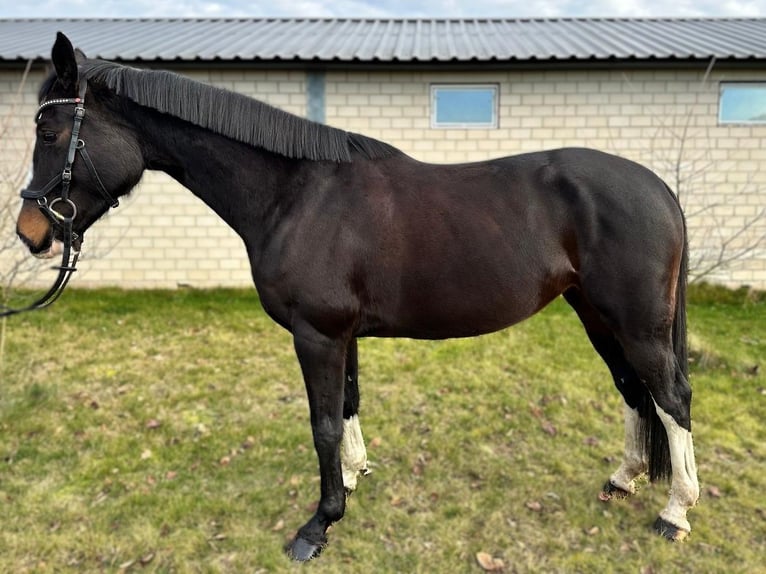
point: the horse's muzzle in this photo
(55, 249)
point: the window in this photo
(464, 106)
(742, 103)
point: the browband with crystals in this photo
(56, 102)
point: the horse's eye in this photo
(50, 137)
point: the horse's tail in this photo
(680, 345)
(654, 433)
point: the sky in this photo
(378, 8)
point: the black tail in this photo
(655, 438)
(680, 347)
(653, 431)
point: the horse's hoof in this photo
(610, 491)
(302, 550)
(669, 531)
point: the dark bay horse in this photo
(349, 237)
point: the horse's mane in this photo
(232, 115)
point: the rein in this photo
(66, 269)
(59, 220)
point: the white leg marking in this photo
(634, 459)
(684, 488)
(353, 454)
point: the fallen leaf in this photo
(593, 531)
(420, 466)
(147, 454)
(714, 492)
(153, 424)
(548, 427)
(488, 563)
(534, 506)
(171, 474)
(376, 442)
(147, 558)
(278, 526)
(225, 461)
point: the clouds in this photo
(378, 8)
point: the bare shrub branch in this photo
(715, 247)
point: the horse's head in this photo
(84, 157)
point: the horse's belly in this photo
(450, 310)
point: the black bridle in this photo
(60, 220)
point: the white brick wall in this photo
(647, 116)
(163, 236)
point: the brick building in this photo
(687, 98)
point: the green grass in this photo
(167, 431)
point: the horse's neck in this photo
(242, 184)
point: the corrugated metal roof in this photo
(391, 40)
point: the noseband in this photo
(61, 220)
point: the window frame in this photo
(493, 124)
(741, 122)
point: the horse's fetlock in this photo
(332, 514)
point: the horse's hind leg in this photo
(658, 368)
(656, 386)
(657, 412)
(622, 482)
(634, 462)
(353, 454)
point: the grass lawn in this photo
(167, 431)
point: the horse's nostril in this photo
(35, 247)
(34, 230)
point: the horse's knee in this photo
(328, 433)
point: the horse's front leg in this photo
(322, 361)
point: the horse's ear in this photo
(79, 55)
(64, 62)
